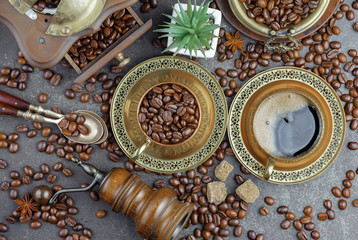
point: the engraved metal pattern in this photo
(221, 113)
(319, 85)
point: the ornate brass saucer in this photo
(286, 79)
(169, 159)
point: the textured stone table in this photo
(116, 226)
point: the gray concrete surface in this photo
(116, 226)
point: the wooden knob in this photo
(157, 214)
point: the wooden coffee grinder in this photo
(158, 214)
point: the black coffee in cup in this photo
(286, 125)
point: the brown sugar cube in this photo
(216, 192)
(248, 191)
(223, 170)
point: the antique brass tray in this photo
(289, 79)
(235, 12)
(169, 159)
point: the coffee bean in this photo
(251, 235)
(346, 193)
(22, 128)
(101, 213)
(282, 210)
(77, 88)
(306, 219)
(290, 216)
(3, 164)
(322, 216)
(50, 148)
(63, 233)
(94, 195)
(15, 183)
(160, 183)
(350, 175)
(38, 176)
(269, 201)
(84, 97)
(35, 224)
(347, 183)
(51, 178)
(264, 211)
(327, 204)
(336, 192)
(70, 94)
(13, 147)
(297, 225)
(353, 145)
(67, 172)
(31, 134)
(72, 211)
(307, 210)
(232, 73)
(14, 174)
(70, 221)
(28, 171)
(238, 231)
(342, 204)
(87, 232)
(48, 74)
(3, 227)
(315, 234)
(220, 72)
(43, 97)
(285, 224)
(4, 186)
(302, 235)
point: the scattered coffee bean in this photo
(264, 211)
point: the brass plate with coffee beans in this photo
(169, 158)
(235, 12)
(262, 122)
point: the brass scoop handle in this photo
(20, 104)
(281, 48)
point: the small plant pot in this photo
(210, 53)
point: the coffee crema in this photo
(286, 124)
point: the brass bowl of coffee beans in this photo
(169, 114)
(282, 20)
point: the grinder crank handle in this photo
(90, 170)
(18, 103)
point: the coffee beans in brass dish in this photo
(42, 4)
(169, 113)
(73, 125)
(277, 14)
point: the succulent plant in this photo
(191, 29)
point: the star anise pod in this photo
(27, 205)
(234, 42)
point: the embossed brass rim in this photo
(239, 10)
(268, 77)
(119, 111)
